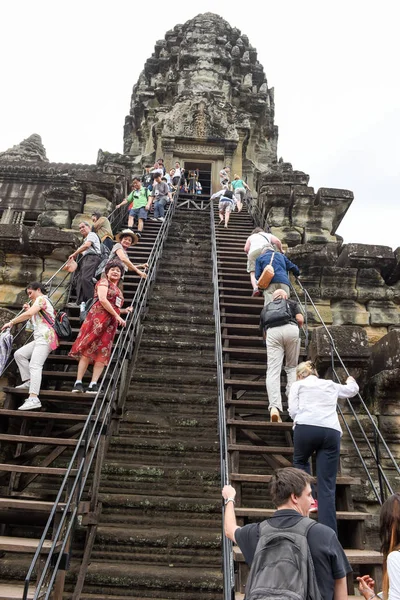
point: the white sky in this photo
(67, 71)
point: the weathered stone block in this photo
(334, 202)
(386, 353)
(338, 283)
(20, 270)
(312, 255)
(350, 341)
(64, 198)
(366, 256)
(14, 238)
(317, 235)
(43, 240)
(96, 203)
(9, 294)
(325, 311)
(374, 334)
(392, 275)
(51, 266)
(55, 218)
(303, 200)
(383, 391)
(348, 312)
(275, 202)
(287, 235)
(310, 278)
(371, 286)
(383, 313)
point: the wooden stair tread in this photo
(9, 591)
(255, 478)
(29, 504)
(288, 425)
(260, 449)
(265, 513)
(53, 393)
(33, 439)
(35, 469)
(42, 415)
(20, 544)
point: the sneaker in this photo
(256, 293)
(92, 389)
(275, 416)
(161, 219)
(23, 386)
(30, 404)
(314, 506)
(153, 218)
(78, 387)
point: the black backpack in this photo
(61, 324)
(276, 313)
(283, 568)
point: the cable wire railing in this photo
(86, 451)
(227, 555)
(384, 486)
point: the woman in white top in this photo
(312, 406)
(389, 532)
(255, 244)
(31, 357)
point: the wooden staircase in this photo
(37, 446)
(256, 447)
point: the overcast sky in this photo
(68, 68)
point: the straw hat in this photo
(127, 232)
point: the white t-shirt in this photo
(178, 172)
(312, 401)
(93, 238)
(259, 240)
(393, 567)
(42, 330)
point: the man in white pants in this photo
(280, 321)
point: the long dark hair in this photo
(389, 531)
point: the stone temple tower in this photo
(203, 95)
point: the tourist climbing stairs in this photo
(37, 446)
(255, 446)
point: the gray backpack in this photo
(282, 568)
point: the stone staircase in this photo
(160, 530)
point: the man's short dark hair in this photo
(286, 482)
(137, 179)
(148, 166)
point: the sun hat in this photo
(127, 232)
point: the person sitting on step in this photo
(280, 320)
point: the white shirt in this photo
(259, 240)
(178, 172)
(94, 239)
(312, 401)
(393, 567)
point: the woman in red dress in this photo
(94, 342)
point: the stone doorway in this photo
(204, 175)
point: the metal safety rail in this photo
(378, 445)
(87, 453)
(227, 555)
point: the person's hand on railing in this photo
(121, 321)
(228, 493)
(350, 378)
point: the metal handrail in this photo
(384, 484)
(95, 425)
(227, 555)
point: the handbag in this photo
(61, 324)
(267, 275)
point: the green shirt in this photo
(138, 198)
(237, 183)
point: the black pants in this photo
(84, 282)
(325, 442)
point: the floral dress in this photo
(97, 332)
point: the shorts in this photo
(224, 182)
(226, 206)
(240, 193)
(138, 213)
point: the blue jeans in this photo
(159, 207)
(325, 442)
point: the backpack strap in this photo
(272, 258)
(302, 527)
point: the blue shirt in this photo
(281, 266)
